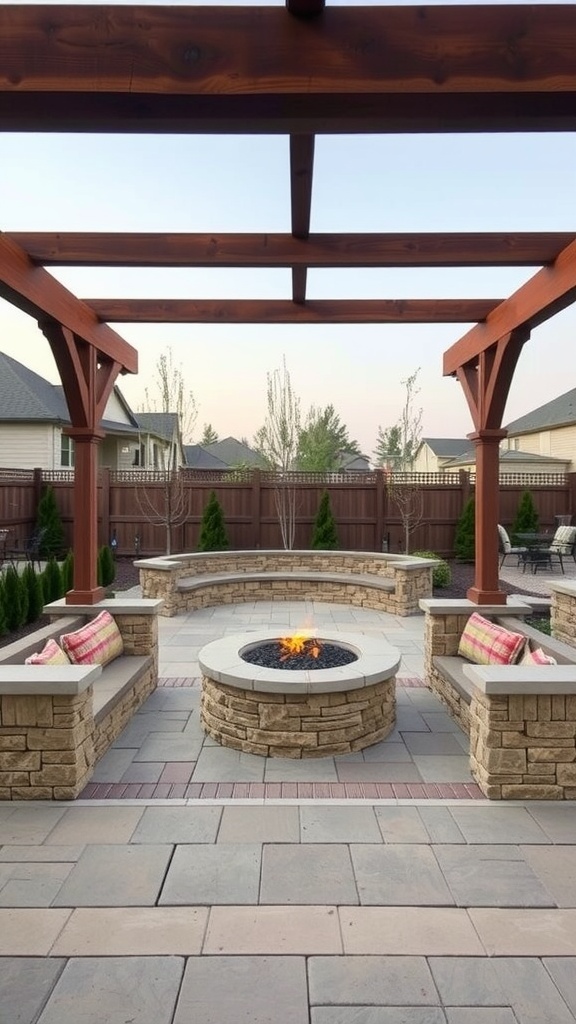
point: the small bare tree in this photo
(277, 442)
(404, 491)
(165, 499)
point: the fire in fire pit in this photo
(300, 651)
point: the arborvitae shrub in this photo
(213, 536)
(50, 523)
(67, 570)
(33, 585)
(324, 536)
(13, 599)
(3, 624)
(442, 574)
(106, 567)
(52, 582)
(464, 539)
(527, 519)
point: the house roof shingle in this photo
(26, 396)
(447, 447)
(559, 412)
(163, 424)
(235, 453)
(198, 457)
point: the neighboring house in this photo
(223, 455)
(511, 462)
(160, 445)
(550, 430)
(434, 453)
(348, 462)
(34, 413)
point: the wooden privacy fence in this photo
(363, 505)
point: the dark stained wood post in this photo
(485, 589)
(256, 508)
(85, 589)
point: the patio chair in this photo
(30, 552)
(506, 548)
(563, 544)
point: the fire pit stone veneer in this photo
(296, 713)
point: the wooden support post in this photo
(85, 589)
(485, 589)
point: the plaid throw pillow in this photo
(536, 657)
(96, 643)
(486, 643)
(51, 654)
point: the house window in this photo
(516, 444)
(66, 451)
(139, 456)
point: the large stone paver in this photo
(371, 980)
(178, 825)
(96, 824)
(207, 875)
(555, 868)
(254, 990)
(558, 820)
(313, 874)
(338, 824)
(25, 985)
(31, 885)
(413, 931)
(29, 825)
(377, 1015)
(268, 824)
(115, 990)
(491, 876)
(399, 875)
(562, 970)
(273, 930)
(401, 825)
(116, 876)
(498, 825)
(221, 764)
(30, 932)
(525, 932)
(169, 746)
(132, 931)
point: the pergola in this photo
(300, 71)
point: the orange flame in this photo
(299, 643)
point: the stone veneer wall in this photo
(298, 725)
(442, 632)
(524, 747)
(412, 579)
(49, 744)
(563, 612)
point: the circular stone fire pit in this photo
(314, 712)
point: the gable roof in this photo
(507, 455)
(198, 457)
(559, 412)
(447, 447)
(236, 453)
(25, 396)
(163, 424)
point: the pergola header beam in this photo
(264, 311)
(33, 290)
(259, 69)
(549, 291)
(412, 249)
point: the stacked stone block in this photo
(298, 725)
(563, 613)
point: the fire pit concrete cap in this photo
(222, 661)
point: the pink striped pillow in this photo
(485, 643)
(96, 643)
(536, 657)
(51, 654)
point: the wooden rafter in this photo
(37, 293)
(412, 249)
(262, 311)
(301, 173)
(351, 69)
(549, 291)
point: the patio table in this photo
(537, 554)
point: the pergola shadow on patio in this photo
(301, 71)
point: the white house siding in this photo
(559, 443)
(115, 411)
(426, 461)
(27, 446)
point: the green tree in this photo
(52, 585)
(33, 585)
(388, 450)
(213, 536)
(321, 441)
(15, 613)
(527, 519)
(465, 538)
(3, 623)
(49, 524)
(209, 435)
(67, 570)
(106, 567)
(325, 536)
(398, 444)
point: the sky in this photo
(217, 184)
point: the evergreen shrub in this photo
(527, 519)
(464, 539)
(106, 567)
(52, 584)
(213, 536)
(49, 523)
(442, 574)
(13, 604)
(33, 586)
(325, 535)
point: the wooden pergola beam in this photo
(301, 174)
(550, 290)
(280, 311)
(33, 290)
(350, 69)
(408, 249)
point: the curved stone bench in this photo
(391, 583)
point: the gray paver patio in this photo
(207, 875)
(115, 876)
(307, 874)
(274, 989)
(491, 876)
(399, 875)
